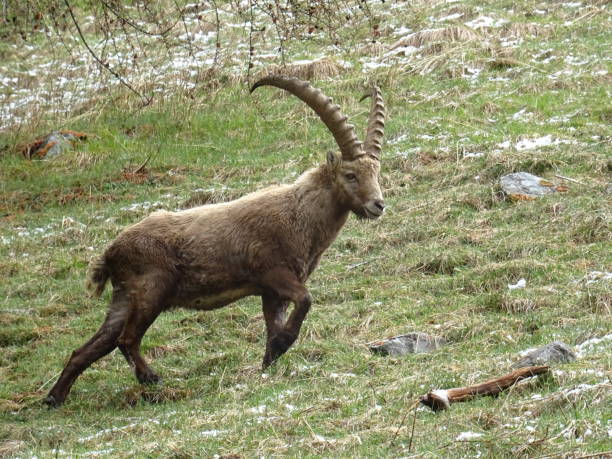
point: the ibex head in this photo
(356, 166)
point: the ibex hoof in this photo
(267, 361)
(51, 401)
(281, 343)
(149, 378)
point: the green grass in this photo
(439, 261)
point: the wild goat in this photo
(266, 243)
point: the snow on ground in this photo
(593, 345)
(67, 79)
(466, 436)
(533, 143)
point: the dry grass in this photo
(517, 305)
(372, 49)
(443, 37)
(526, 30)
(316, 70)
(451, 59)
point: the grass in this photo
(439, 261)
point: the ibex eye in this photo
(351, 177)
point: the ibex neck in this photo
(320, 206)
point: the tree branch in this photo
(146, 100)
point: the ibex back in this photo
(266, 243)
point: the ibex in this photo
(266, 243)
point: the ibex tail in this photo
(98, 275)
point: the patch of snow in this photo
(581, 388)
(522, 115)
(374, 65)
(322, 439)
(96, 453)
(576, 61)
(399, 139)
(402, 31)
(342, 375)
(106, 431)
(522, 283)
(287, 393)
(472, 73)
(530, 144)
(486, 21)
(146, 205)
(597, 276)
(589, 345)
(465, 436)
(402, 50)
(450, 17)
(559, 119)
(212, 433)
(258, 409)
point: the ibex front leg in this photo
(274, 310)
(283, 286)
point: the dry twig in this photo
(146, 101)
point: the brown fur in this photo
(266, 243)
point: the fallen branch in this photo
(441, 399)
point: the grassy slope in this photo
(439, 261)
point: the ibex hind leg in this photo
(100, 344)
(129, 345)
(147, 303)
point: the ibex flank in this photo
(266, 243)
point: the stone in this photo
(523, 186)
(555, 352)
(410, 343)
(52, 144)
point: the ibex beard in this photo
(266, 243)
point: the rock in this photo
(52, 144)
(523, 186)
(410, 343)
(555, 352)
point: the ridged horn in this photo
(376, 123)
(330, 114)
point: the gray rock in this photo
(52, 144)
(523, 185)
(410, 343)
(555, 352)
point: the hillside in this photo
(474, 91)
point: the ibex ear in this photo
(334, 158)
